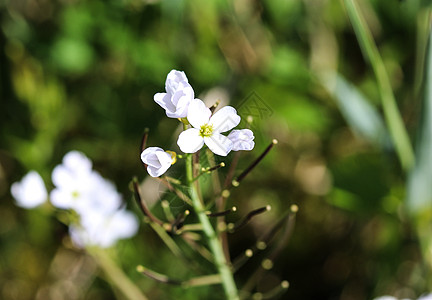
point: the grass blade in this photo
(419, 180)
(361, 116)
(393, 118)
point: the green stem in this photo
(214, 243)
(393, 118)
(116, 276)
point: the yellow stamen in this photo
(173, 156)
(206, 130)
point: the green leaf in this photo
(420, 178)
(361, 116)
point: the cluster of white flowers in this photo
(78, 187)
(206, 128)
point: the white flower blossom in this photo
(426, 297)
(207, 129)
(102, 230)
(242, 139)
(157, 160)
(80, 188)
(178, 96)
(95, 199)
(73, 180)
(30, 191)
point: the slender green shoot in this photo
(393, 118)
(214, 243)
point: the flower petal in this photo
(61, 199)
(219, 144)
(157, 160)
(165, 161)
(77, 161)
(225, 119)
(149, 158)
(30, 191)
(164, 100)
(198, 113)
(242, 139)
(181, 100)
(173, 79)
(62, 177)
(190, 141)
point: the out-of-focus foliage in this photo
(78, 74)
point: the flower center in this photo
(206, 130)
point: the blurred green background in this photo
(78, 74)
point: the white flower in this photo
(73, 180)
(102, 230)
(207, 129)
(30, 191)
(426, 297)
(103, 197)
(242, 139)
(157, 160)
(179, 94)
(80, 188)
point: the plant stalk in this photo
(116, 276)
(213, 241)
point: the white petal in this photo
(242, 139)
(181, 99)
(153, 171)
(30, 191)
(218, 144)
(61, 199)
(190, 141)
(77, 161)
(157, 160)
(184, 90)
(62, 177)
(225, 119)
(198, 113)
(149, 157)
(173, 79)
(165, 161)
(123, 224)
(103, 197)
(164, 158)
(164, 100)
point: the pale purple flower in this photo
(242, 139)
(178, 96)
(207, 129)
(157, 160)
(30, 191)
